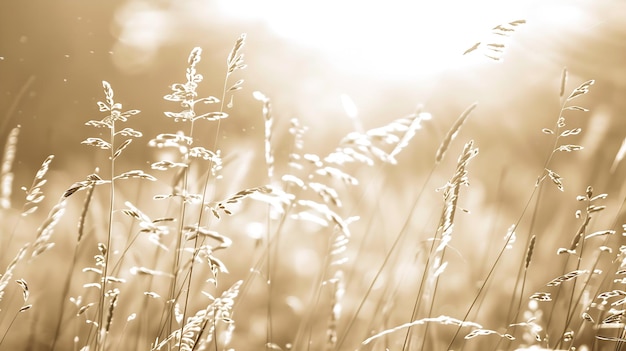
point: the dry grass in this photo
(316, 254)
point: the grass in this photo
(315, 254)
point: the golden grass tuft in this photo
(453, 132)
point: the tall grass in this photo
(306, 258)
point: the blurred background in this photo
(321, 61)
(386, 56)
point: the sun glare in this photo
(394, 38)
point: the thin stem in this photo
(100, 335)
(178, 249)
(394, 245)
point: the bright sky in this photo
(390, 38)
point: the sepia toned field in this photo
(193, 176)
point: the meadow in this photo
(182, 240)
